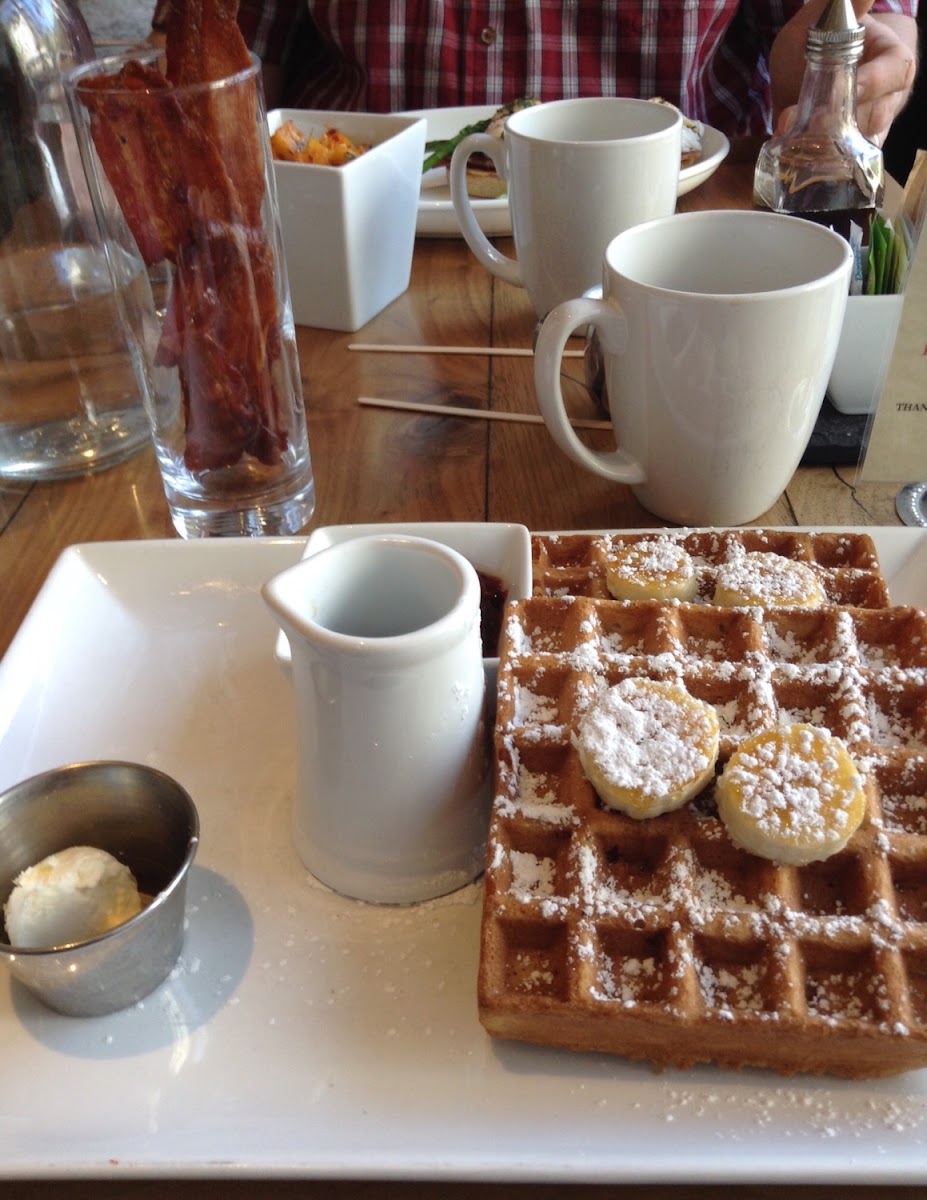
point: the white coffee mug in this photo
(578, 172)
(394, 774)
(718, 330)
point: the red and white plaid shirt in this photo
(388, 55)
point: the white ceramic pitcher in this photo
(394, 779)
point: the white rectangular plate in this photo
(306, 1035)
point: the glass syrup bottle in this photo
(823, 168)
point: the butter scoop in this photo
(68, 897)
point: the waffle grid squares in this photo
(847, 564)
(661, 940)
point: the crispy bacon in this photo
(133, 151)
(204, 42)
(158, 159)
(189, 177)
(204, 45)
(226, 353)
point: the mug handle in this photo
(609, 323)
(499, 264)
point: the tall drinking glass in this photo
(181, 178)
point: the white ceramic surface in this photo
(349, 231)
(436, 216)
(718, 331)
(863, 352)
(579, 172)
(494, 548)
(304, 1035)
(394, 775)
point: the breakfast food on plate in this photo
(768, 580)
(331, 148)
(482, 180)
(70, 896)
(192, 204)
(653, 568)
(692, 134)
(846, 564)
(791, 794)
(661, 938)
(647, 746)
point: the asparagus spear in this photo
(441, 150)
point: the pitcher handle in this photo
(609, 322)
(499, 264)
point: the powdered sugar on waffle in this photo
(765, 577)
(862, 682)
(670, 922)
(640, 739)
(785, 781)
(654, 556)
(844, 564)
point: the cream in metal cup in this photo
(578, 173)
(718, 331)
(143, 818)
(394, 773)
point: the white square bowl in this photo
(349, 231)
(864, 352)
(494, 548)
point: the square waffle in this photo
(659, 939)
(847, 564)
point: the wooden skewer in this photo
(480, 414)
(486, 351)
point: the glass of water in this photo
(69, 400)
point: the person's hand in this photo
(884, 78)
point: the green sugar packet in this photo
(889, 253)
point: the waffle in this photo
(846, 564)
(660, 940)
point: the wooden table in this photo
(375, 465)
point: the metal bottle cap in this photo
(837, 27)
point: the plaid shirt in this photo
(388, 55)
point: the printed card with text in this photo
(896, 437)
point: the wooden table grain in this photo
(378, 465)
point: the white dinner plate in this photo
(436, 217)
(306, 1035)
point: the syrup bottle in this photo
(823, 168)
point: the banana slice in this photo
(647, 746)
(652, 569)
(768, 581)
(791, 794)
